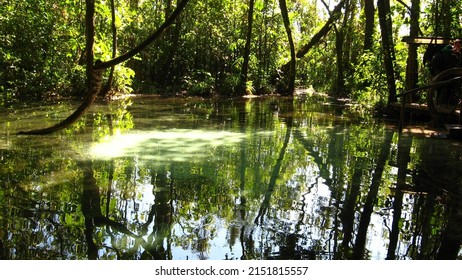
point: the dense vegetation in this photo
(347, 48)
(270, 185)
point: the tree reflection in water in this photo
(273, 178)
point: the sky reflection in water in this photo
(168, 145)
(250, 179)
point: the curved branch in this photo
(94, 77)
(169, 21)
(292, 71)
(94, 89)
(334, 15)
(95, 72)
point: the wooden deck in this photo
(411, 108)
(423, 108)
(427, 40)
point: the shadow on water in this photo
(269, 178)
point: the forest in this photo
(169, 158)
(349, 49)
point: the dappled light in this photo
(222, 129)
(164, 146)
(257, 179)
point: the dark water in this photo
(272, 178)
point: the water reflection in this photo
(273, 178)
(167, 145)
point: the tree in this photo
(387, 46)
(108, 84)
(369, 23)
(95, 70)
(245, 64)
(285, 17)
(339, 87)
(412, 66)
(34, 59)
(335, 14)
(213, 48)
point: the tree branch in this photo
(95, 72)
(169, 21)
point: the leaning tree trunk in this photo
(292, 72)
(335, 14)
(154, 36)
(95, 71)
(94, 77)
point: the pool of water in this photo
(257, 179)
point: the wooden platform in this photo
(455, 131)
(423, 108)
(411, 108)
(427, 40)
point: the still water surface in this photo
(269, 178)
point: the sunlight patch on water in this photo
(171, 145)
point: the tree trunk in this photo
(412, 66)
(90, 38)
(242, 89)
(446, 16)
(340, 51)
(94, 76)
(292, 72)
(335, 14)
(173, 37)
(107, 87)
(387, 46)
(371, 198)
(339, 88)
(154, 36)
(369, 12)
(95, 71)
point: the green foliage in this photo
(249, 88)
(123, 79)
(447, 21)
(229, 84)
(42, 47)
(368, 81)
(200, 83)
